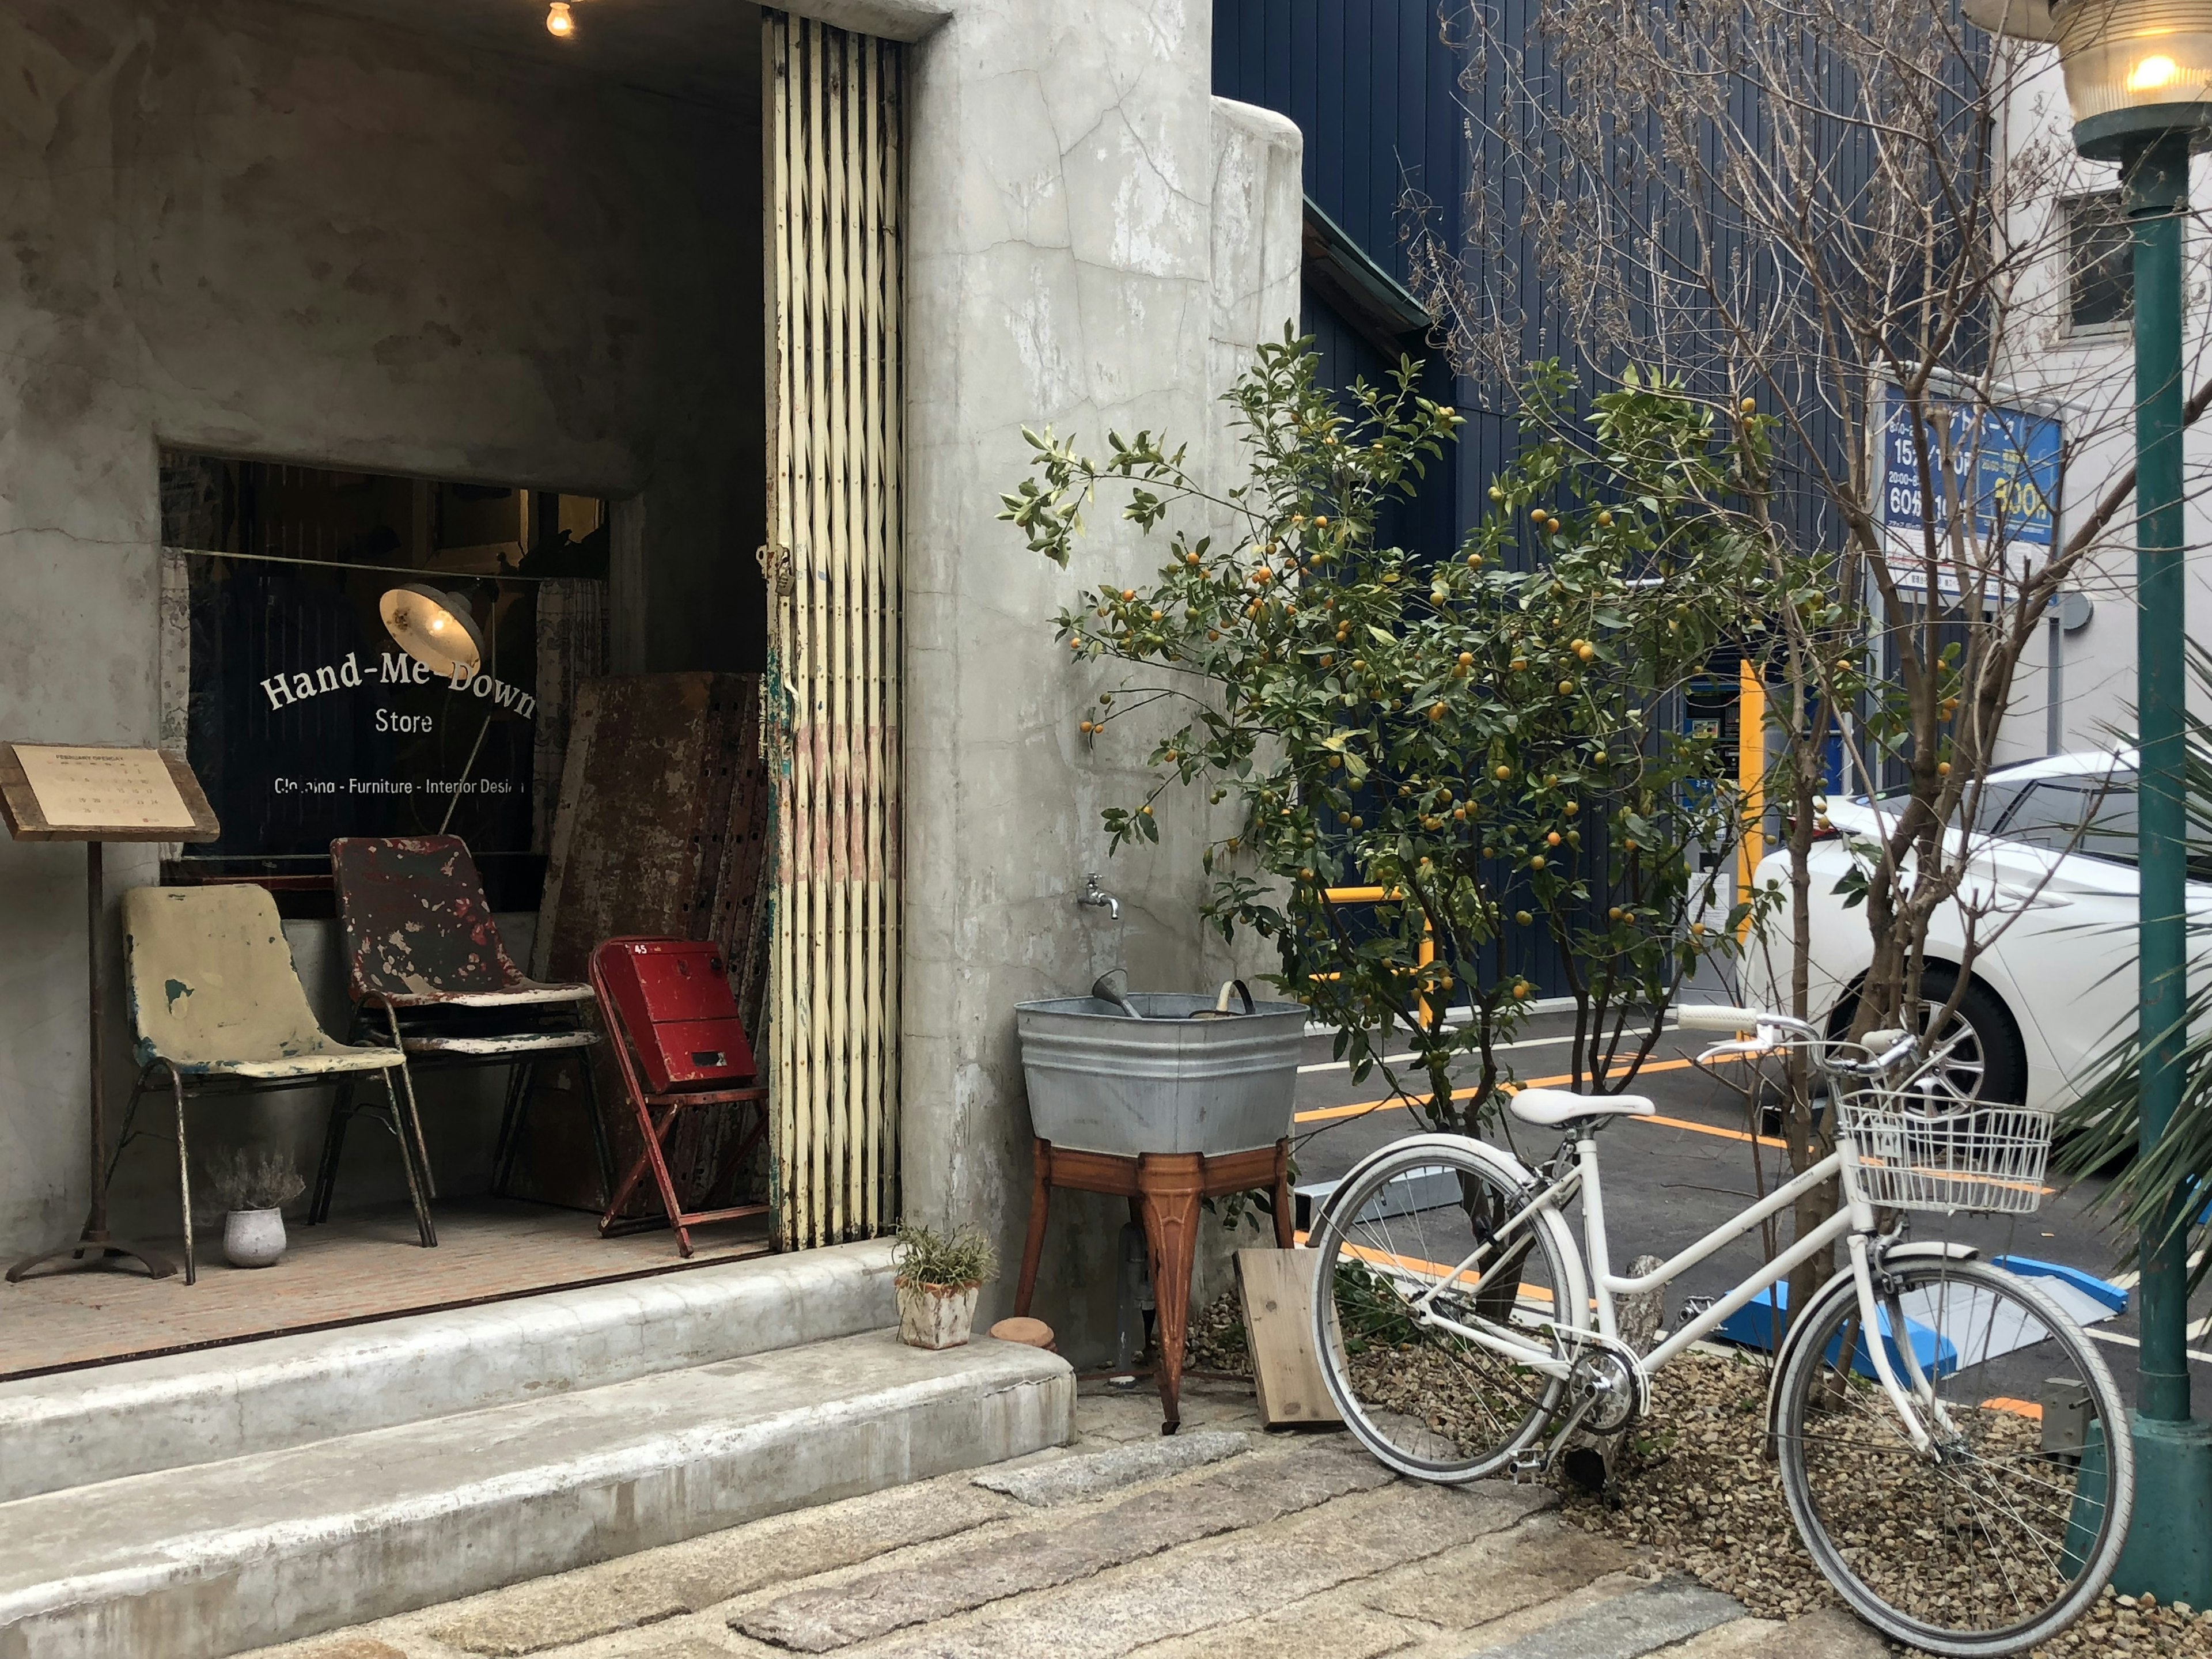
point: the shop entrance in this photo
(741, 552)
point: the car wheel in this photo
(1990, 1063)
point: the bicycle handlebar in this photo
(1720, 1016)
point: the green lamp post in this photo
(2139, 82)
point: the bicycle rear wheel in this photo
(1990, 1545)
(1427, 1401)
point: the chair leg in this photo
(184, 1178)
(655, 1150)
(326, 1172)
(129, 1114)
(600, 1149)
(429, 1234)
(414, 1119)
(509, 1145)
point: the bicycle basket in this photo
(1917, 1153)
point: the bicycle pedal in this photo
(1528, 1466)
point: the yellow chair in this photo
(217, 1003)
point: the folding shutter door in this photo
(833, 182)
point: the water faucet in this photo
(1098, 897)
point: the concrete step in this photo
(108, 1421)
(213, 1559)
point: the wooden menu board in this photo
(101, 792)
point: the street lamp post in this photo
(2139, 82)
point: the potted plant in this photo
(940, 1277)
(250, 1185)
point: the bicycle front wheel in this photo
(1991, 1543)
(1437, 1228)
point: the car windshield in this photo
(1998, 795)
(2089, 814)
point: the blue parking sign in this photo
(2013, 459)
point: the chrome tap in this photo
(1096, 898)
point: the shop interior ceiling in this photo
(704, 50)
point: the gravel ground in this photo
(1693, 1486)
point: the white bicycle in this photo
(1464, 1335)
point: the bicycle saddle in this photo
(1548, 1108)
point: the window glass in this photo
(2100, 274)
(2078, 815)
(304, 713)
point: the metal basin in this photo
(1100, 1082)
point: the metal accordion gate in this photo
(833, 184)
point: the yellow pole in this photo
(1751, 777)
(1380, 896)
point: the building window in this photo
(299, 710)
(2100, 285)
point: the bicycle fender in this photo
(1931, 1251)
(1491, 1149)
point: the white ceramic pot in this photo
(253, 1238)
(936, 1315)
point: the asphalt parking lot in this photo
(1671, 1180)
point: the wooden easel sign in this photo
(98, 793)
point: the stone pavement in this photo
(1222, 1543)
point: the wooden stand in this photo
(1166, 1187)
(29, 818)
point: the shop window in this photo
(2100, 280)
(301, 706)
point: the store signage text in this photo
(397, 668)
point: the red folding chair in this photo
(679, 1044)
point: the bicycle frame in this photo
(1853, 1221)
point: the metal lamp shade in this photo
(435, 628)
(2135, 68)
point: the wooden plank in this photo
(27, 818)
(1276, 1288)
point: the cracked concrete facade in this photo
(1096, 242)
(263, 229)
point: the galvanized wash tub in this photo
(1100, 1082)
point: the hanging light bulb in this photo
(559, 21)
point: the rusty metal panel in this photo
(659, 830)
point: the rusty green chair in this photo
(216, 1004)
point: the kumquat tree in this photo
(1485, 736)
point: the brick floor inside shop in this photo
(357, 1266)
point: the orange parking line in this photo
(1358, 1108)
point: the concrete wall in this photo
(250, 227)
(1094, 241)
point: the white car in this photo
(2054, 851)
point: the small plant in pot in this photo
(250, 1185)
(940, 1277)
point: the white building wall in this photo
(2090, 380)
